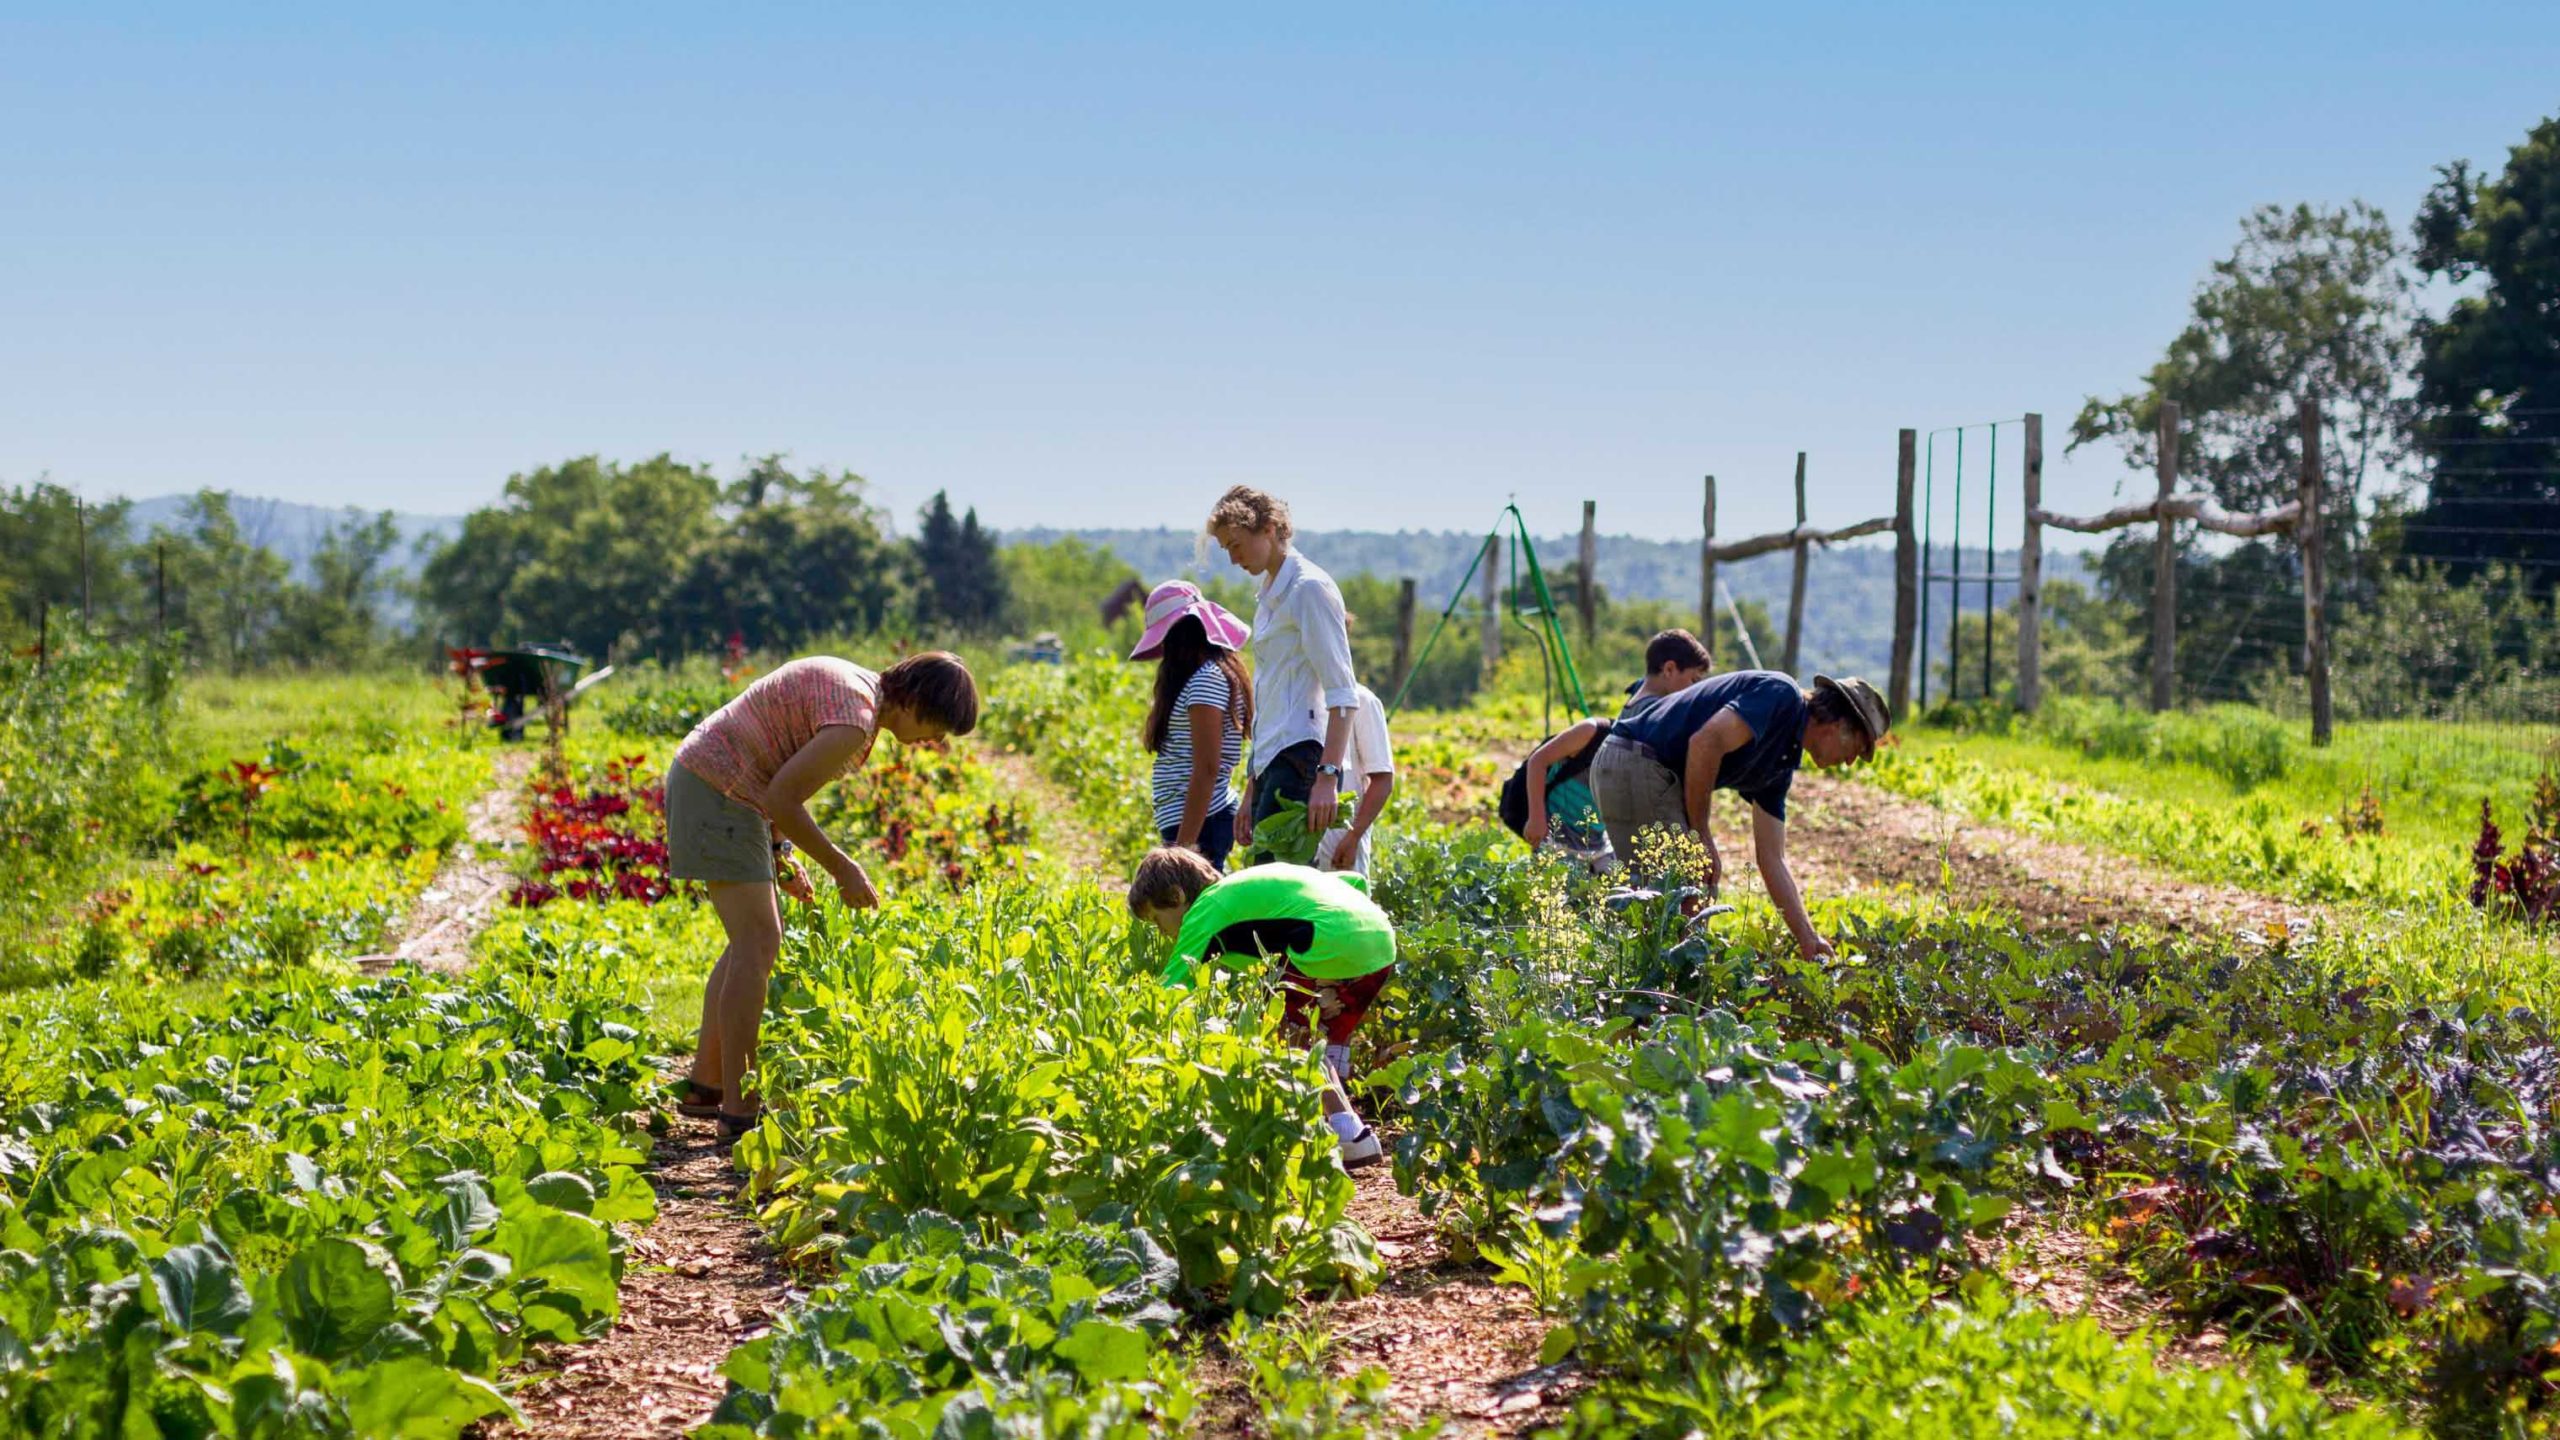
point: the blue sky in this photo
(1090, 264)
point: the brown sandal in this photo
(696, 1100)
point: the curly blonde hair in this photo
(1250, 509)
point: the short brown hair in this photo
(1170, 875)
(934, 686)
(1250, 509)
(1676, 648)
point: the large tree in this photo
(2311, 301)
(962, 584)
(797, 557)
(2489, 371)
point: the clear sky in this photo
(1088, 264)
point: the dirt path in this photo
(1062, 828)
(700, 1282)
(1461, 1347)
(1843, 837)
(474, 880)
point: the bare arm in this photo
(1200, 792)
(1375, 789)
(786, 803)
(1715, 740)
(1769, 849)
(1568, 742)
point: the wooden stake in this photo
(1404, 634)
(1491, 589)
(80, 514)
(1590, 596)
(1906, 571)
(2164, 571)
(1707, 576)
(2031, 576)
(2312, 532)
(1795, 587)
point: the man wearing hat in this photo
(1746, 731)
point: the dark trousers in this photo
(1217, 836)
(1291, 775)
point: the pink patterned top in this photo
(739, 746)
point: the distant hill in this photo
(1848, 603)
(294, 530)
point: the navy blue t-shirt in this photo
(1767, 701)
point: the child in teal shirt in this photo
(1336, 949)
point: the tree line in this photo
(2441, 442)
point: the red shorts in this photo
(1354, 995)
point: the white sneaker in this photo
(1362, 1149)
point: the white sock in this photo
(1337, 1058)
(1345, 1124)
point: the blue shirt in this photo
(1767, 701)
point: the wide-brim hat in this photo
(1169, 602)
(1874, 716)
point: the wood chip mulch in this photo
(699, 1282)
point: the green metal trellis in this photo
(1554, 652)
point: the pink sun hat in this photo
(1170, 601)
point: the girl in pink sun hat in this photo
(1203, 709)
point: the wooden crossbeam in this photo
(1801, 535)
(2202, 511)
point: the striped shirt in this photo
(1207, 686)
(739, 746)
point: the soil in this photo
(1843, 837)
(473, 883)
(1062, 830)
(700, 1282)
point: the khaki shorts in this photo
(712, 836)
(1635, 792)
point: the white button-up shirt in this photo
(1301, 658)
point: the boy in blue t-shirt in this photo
(1747, 732)
(1549, 796)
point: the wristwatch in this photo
(1333, 770)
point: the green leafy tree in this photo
(40, 560)
(588, 551)
(2489, 370)
(796, 557)
(1059, 585)
(2311, 301)
(337, 616)
(224, 592)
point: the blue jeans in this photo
(1217, 836)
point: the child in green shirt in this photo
(1336, 949)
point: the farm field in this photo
(1646, 1179)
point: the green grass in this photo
(233, 717)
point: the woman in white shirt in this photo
(1304, 691)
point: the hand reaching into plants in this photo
(1715, 862)
(855, 887)
(1535, 831)
(1814, 947)
(792, 880)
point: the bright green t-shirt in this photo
(1346, 934)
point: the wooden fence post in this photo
(160, 587)
(1404, 632)
(1906, 572)
(1707, 575)
(44, 616)
(2031, 576)
(1590, 596)
(2312, 532)
(80, 512)
(1795, 587)
(1491, 589)
(2164, 571)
